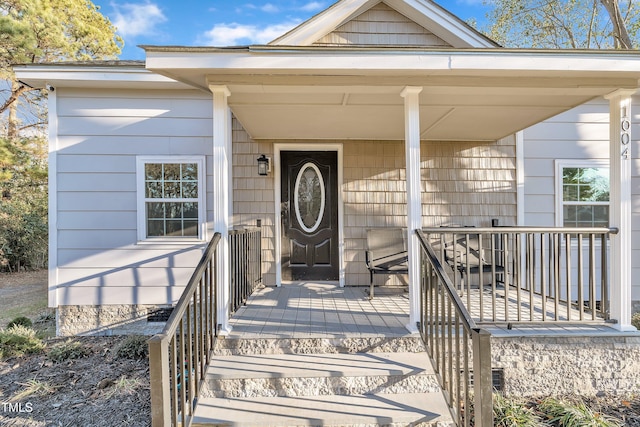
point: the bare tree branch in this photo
(622, 39)
(15, 94)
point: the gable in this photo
(381, 25)
(410, 23)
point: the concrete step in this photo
(330, 381)
(352, 344)
(393, 410)
(319, 374)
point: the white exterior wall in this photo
(100, 133)
(579, 134)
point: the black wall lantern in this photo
(263, 165)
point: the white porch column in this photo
(414, 200)
(221, 198)
(620, 210)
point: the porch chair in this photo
(465, 253)
(386, 252)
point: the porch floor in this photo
(321, 310)
(325, 310)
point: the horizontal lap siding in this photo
(581, 133)
(100, 135)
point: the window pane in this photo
(172, 172)
(174, 227)
(190, 228)
(570, 216)
(174, 210)
(155, 228)
(172, 190)
(190, 190)
(570, 193)
(585, 216)
(153, 171)
(155, 210)
(190, 172)
(598, 182)
(153, 190)
(601, 215)
(585, 193)
(190, 210)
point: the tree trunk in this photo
(620, 33)
(12, 105)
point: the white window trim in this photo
(140, 198)
(560, 165)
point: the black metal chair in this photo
(386, 252)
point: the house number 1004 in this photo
(625, 137)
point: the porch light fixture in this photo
(263, 165)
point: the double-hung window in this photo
(583, 189)
(170, 198)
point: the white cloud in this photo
(134, 19)
(239, 34)
(269, 8)
(312, 6)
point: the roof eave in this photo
(87, 75)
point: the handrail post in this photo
(175, 376)
(482, 381)
(159, 380)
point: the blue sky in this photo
(224, 22)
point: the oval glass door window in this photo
(309, 197)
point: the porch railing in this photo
(459, 349)
(180, 354)
(527, 274)
(245, 254)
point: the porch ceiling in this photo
(355, 94)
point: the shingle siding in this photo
(381, 26)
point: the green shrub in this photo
(23, 208)
(19, 340)
(511, 412)
(22, 321)
(573, 414)
(635, 321)
(68, 350)
(46, 316)
(133, 347)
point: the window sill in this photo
(178, 241)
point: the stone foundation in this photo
(110, 319)
(587, 365)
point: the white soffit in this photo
(468, 94)
(377, 113)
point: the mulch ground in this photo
(99, 389)
(103, 390)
